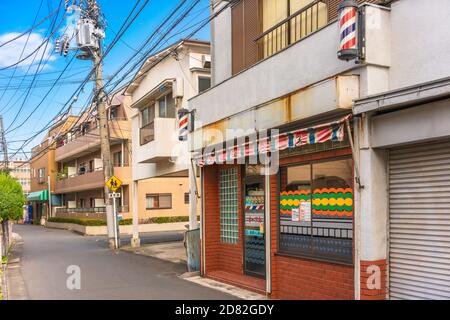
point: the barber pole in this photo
(348, 17)
(183, 124)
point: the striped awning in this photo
(38, 196)
(331, 131)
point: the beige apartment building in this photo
(20, 170)
(43, 170)
(79, 178)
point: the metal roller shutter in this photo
(419, 230)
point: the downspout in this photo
(267, 221)
(357, 209)
(202, 224)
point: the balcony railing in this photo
(294, 28)
(147, 133)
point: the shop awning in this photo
(331, 131)
(38, 196)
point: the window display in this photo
(316, 210)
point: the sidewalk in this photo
(168, 251)
(14, 282)
(176, 253)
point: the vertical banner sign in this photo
(183, 124)
(348, 40)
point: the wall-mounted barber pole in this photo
(348, 30)
(183, 124)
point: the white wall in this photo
(185, 65)
(221, 37)
(307, 62)
(420, 41)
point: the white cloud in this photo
(10, 53)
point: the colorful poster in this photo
(305, 211)
(295, 214)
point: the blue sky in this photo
(20, 19)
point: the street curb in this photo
(13, 270)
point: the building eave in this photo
(404, 97)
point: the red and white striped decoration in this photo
(183, 123)
(348, 30)
(333, 131)
(347, 25)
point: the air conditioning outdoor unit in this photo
(206, 61)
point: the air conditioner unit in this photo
(178, 88)
(206, 61)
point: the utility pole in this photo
(3, 144)
(89, 34)
(108, 169)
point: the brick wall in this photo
(298, 278)
(373, 280)
(218, 255)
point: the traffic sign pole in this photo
(113, 185)
(116, 240)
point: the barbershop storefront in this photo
(287, 229)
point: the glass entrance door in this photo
(254, 229)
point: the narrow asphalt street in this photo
(47, 253)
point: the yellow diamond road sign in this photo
(113, 184)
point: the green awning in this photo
(38, 196)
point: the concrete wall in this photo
(100, 231)
(303, 64)
(420, 41)
(221, 37)
(175, 186)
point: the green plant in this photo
(87, 222)
(12, 200)
(82, 222)
(160, 220)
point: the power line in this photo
(23, 50)
(84, 83)
(29, 30)
(39, 65)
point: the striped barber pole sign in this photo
(348, 45)
(183, 127)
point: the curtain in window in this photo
(313, 18)
(273, 12)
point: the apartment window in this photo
(117, 159)
(113, 113)
(91, 202)
(91, 166)
(158, 201)
(166, 106)
(82, 168)
(147, 131)
(229, 203)
(305, 17)
(41, 175)
(316, 210)
(82, 203)
(204, 83)
(186, 198)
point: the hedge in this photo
(87, 222)
(100, 222)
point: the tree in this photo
(12, 200)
